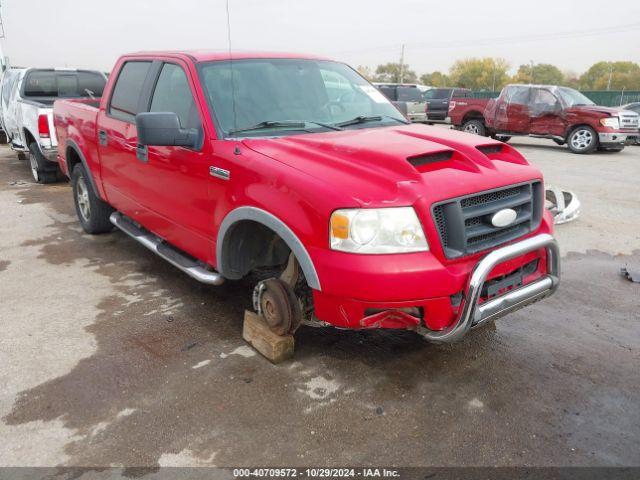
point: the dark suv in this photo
(437, 100)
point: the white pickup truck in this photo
(26, 111)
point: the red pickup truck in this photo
(561, 114)
(343, 212)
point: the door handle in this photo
(142, 153)
(103, 139)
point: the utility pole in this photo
(610, 75)
(402, 64)
(531, 62)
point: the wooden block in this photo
(274, 347)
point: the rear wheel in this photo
(583, 140)
(92, 212)
(42, 170)
(474, 126)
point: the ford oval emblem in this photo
(504, 217)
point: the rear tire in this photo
(92, 212)
(474, 126)
(582, 140)
(42, 170)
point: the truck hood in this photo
(398, 165)
(597, 109)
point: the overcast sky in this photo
(93, 33)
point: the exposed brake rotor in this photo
(277, 304)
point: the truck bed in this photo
(460, 109)
(75, 121)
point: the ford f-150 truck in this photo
(561, 114)
(343, 212)
(26, 114)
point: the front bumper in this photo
(473, 313)
(613, 138)
(417, 117)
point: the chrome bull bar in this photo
(473, 314)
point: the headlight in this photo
(377, 230)
(611, 122)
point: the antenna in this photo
(233, 83)
(1, 23)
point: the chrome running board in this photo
(166, 251)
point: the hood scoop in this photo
(418, 161)
(489, 149)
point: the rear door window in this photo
(125, 101)
(62, 83)
(173, 94)
(517, 95)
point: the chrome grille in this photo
(464, 223)
(629, 120)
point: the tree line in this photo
(492, 74)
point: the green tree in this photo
(390, 73)
(611, 75)
(365, 72)
(480, 73)
(541, 73)
(571, 79)
(435, 79)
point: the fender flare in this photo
(278, 226)
(74, 146)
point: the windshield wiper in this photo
(325, 125)
(269, 124)
(365, 119)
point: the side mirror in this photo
(163, 129)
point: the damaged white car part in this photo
(563, 205)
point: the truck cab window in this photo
(126, 93)
(173, 94)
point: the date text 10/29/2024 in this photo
(315, 473)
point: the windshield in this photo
(63, 83)
(572, 97)
(437, 93)
(273, 93)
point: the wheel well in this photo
(249, 245)
(72, 158)
(28, 138)
(473, 115)
(575, 127)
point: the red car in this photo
(561, 114)
(298, 172)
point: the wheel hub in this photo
(277, 304)
(82, 197)
(582, 139)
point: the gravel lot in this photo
(110, 356)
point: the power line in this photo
(614, 29)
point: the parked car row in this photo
(297, 172)
(26, 105)
(561, 114)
